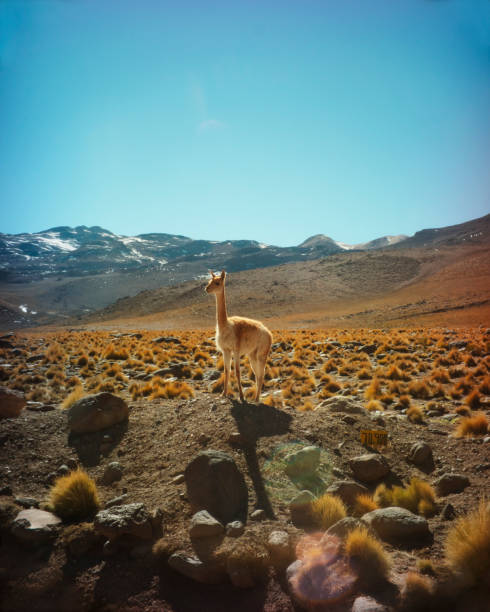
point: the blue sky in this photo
(268, 120)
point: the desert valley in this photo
(358, 482)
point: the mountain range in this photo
(64, 272)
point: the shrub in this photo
(74, 496)
(327, 510)
(473, 399)
(247, 554)
(117, 354)
(476, 425)
(364, 503)
(419, 389)
(374, 405)
(418, 497)
(467, 545)
(74, 396)
(367, 555)
(417, 592)
(307, 406)
(373, 390)
(415, 414)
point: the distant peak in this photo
(316, 240)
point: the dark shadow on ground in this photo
(253, 422)
(91, 446)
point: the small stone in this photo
(27, 502)
(203, 525)
(448, 512)
(420, 453)
(128, 519)
(279, 547)
(179, 479)
(258, 515)
(63, 470)
(112, 473)
(110, 548)
(12, 403)
(368, 604)
(51, 477)
(6, 490)
(342, 527)
(72, 464)
(35, 526)
(203, 439)
(117, 501)
(451, 483)
(300, 507)
(235, 529)
(206, 573)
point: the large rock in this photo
(300, 508)
(279, 547)
(11, 403)
(451, 483)
(365, 603)
(129, 519)
(215, 484)
(95, 412)
(35, 526)
(303, 462)
(395, 524)
(203, 525)
(207, 573)
(370, 467)
(347, 490)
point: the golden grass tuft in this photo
(306, 406)
(367, 555)
(415, 414)
(374, 405)
(77, 393)
(116, 354)
(475, 425)
(327, 510)
(467, 545)
(373, 390)
(364, 503)
(418, 497)
(473, 399)
(74, 496)
(417, 592)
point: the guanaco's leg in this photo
(227, 368)
(236, 359)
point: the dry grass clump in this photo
(77, 393)
(417, 592)
(374, 405)
(74, 496)
(418, 497)
(327, 510)
(367, 555)
(415, 414)
(364, 503)
(467, 546)
(419, 389)
(473, 400)
(244, 555)
(476, 425)
(116, 354)
(306, 406)
(373, 391)
(173, 389)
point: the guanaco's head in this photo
(216, 283)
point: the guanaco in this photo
(239, 336)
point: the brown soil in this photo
(157, 443)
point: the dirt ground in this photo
(154, 447)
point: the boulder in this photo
(303, 462)
(207, 573)
(215, 484)
(129, 519)
(95, 412)
(369, 467)
(11, 403)
(347, 490)
(35, 526)
(203, 525)
(344, 526)
(420, 453)
(451, 483)
(395, 524)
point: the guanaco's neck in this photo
(221, 314)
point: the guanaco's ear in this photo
(212, 273)
(223, 274)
